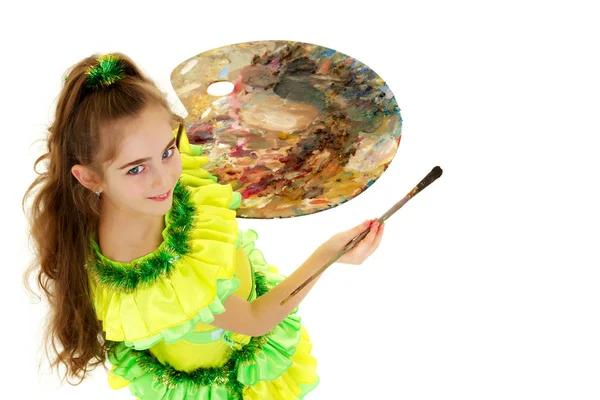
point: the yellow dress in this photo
(156, 310)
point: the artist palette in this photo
(304, 129)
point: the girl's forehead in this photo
(140, 139)
(129, 136)
(149, 121)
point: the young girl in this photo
(139, 253)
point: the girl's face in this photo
(147, 166)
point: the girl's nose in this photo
(159, 178)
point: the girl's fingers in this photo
(377, 240)
(368, 240)
(348, 235)
(365, 244)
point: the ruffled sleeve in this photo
(165, 294)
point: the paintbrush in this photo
(435, 173)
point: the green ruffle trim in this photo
(273, 359)
(236, 200)
(127, 277)
(257, 259)
(225, 287)
(306, 387)
(196, 149)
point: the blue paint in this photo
(328, 52)
(224, 72)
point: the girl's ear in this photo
(86, 177)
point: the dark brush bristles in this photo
(435, 173)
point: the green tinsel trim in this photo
(109, 70)
(261, 284)
(171, 378)
(126, 277)
(215, 376)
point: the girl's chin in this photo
(158, 207)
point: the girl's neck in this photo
(124, 237)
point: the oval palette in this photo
(296, 128)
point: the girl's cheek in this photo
(134, 187)
(178, 168)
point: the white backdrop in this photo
(485, 286)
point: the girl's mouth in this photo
(162, 197)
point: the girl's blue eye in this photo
(135, 171)
(171, 150)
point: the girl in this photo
(139, 253)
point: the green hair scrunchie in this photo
(108, 71)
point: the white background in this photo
(486, 285)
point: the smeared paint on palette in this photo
(305, 129)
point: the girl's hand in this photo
(362, 250)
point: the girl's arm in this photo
(262, 315)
